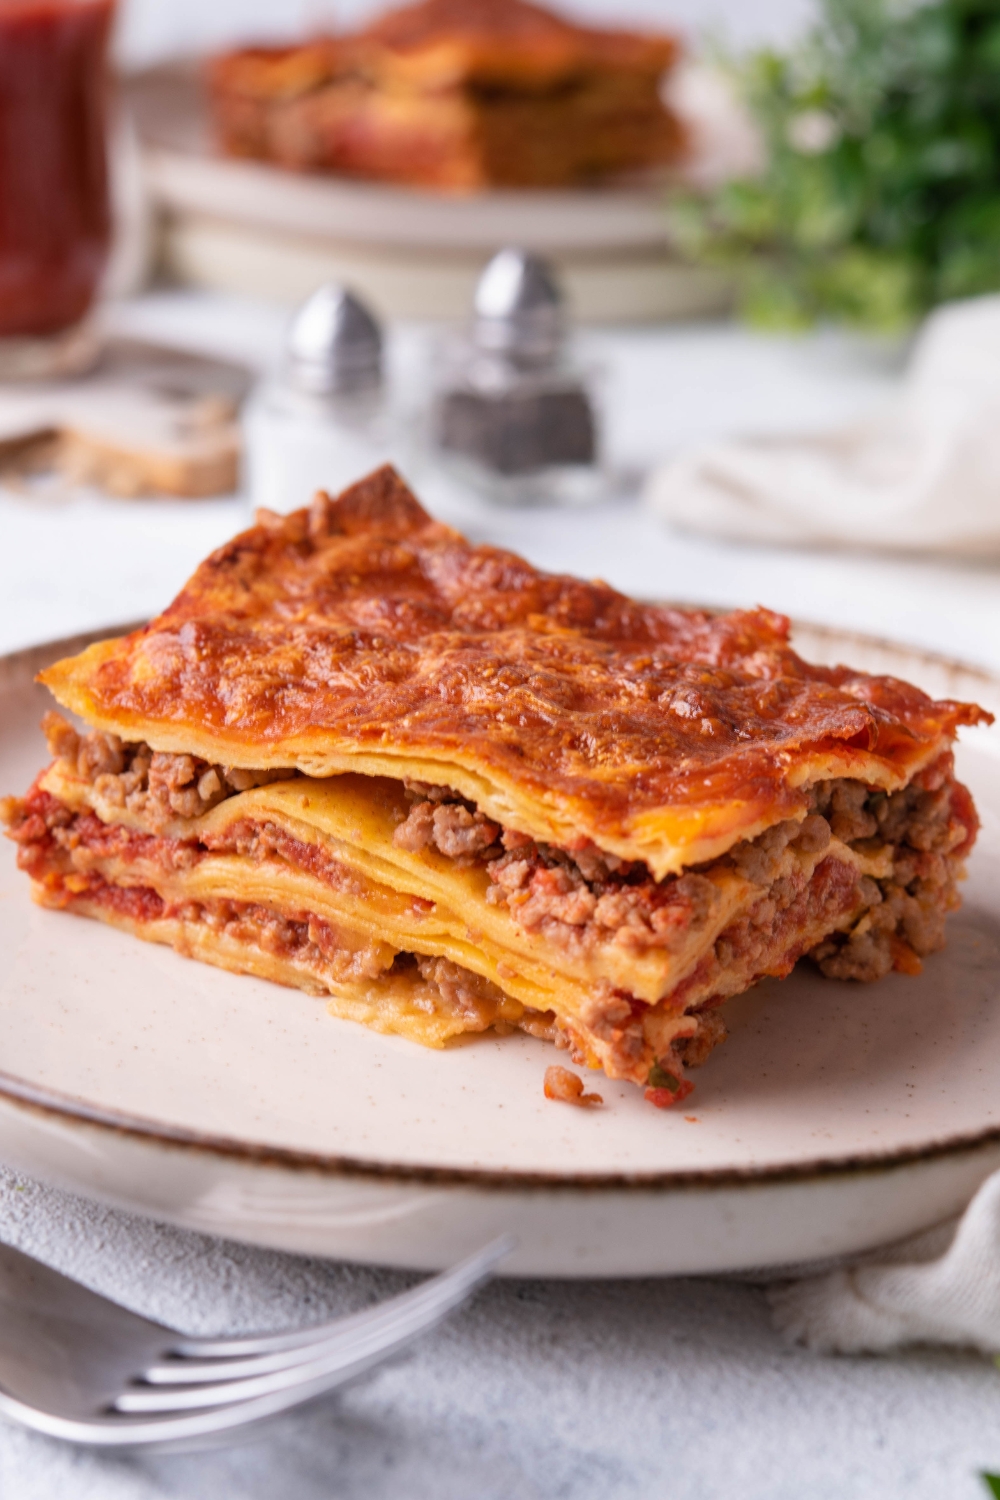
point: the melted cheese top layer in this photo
(360, 635)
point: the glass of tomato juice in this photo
(55, 214)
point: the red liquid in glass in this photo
(55, 224)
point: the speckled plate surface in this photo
(836, 1117)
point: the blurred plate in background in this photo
(244, 226)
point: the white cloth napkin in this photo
(923, 474)
(941, 1287)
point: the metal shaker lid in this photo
(518, 308)
(334, 344)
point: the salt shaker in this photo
(514, 416)
(323, 419)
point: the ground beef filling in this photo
(157, 786)
(580, 897)
(588, 897)
(930, 826)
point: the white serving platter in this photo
(835, 1118)
(245, 226)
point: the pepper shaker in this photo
(515, 417)
(323, 419)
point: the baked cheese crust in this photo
(360, 635)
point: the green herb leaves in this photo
(882, 192)
(659, 1078)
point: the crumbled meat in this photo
(813, 835)
(594, 864)
(159, 786)
(510, 879)
(902, 923)
(918, 816)
(849, 819)
(547, 890)
(512, 839)
(700, 894)
(928, 825)
(588, 896)
(417, 832)
(567, 1088)
(476, 1000)
(554, 892)
(301, 938)
(610, 1031)
(454, 829)
(426, 791)
(694, 1050)
(758, 860)
(862, 955)
(88, 755)
(440, 818)
(100, 755)
(770, 936)
(61, 738)
(921, 815)
(209, 785)
(459, 833)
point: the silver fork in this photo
(77, 1366)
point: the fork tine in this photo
(334, 1361)
(185, 1431)
(179, 1367)
(196, 1429)
(188, 1430)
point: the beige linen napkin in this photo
(941, 1287)
(922, 475)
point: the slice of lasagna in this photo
(361, 756)
(455, 94)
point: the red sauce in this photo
(55, 224)
(140, 902)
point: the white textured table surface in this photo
(541, 1389)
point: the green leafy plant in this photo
(881, 194)
(992, 1483)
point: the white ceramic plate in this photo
(249, 227)
(836, 1117)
